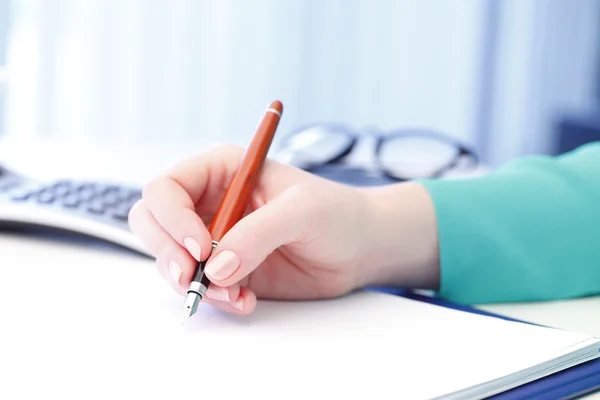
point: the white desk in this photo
(579, 315)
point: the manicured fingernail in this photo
(175, 271)
(239, 304)
(193, 247)
(223, 265)
(219, 293)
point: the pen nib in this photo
(190, 306)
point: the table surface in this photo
(577, 315)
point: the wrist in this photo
(402, 234)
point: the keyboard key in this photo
(134, 195)
(21, 195)
(46, 196)
(124, 191)
(111, 198)
(96, 207)
(122, 212)
(111, 188)
(82, 185)
(62, 188)
(71, 200)
(101, 189)
(87, 194)
(87, 190)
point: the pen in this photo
(235, 200)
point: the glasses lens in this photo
(416, 157)
(314, 146)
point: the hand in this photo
(303, 237)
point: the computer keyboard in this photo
(93, 209)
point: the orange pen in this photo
(236, 198)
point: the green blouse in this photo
(529, 231)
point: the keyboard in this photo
(92, 209)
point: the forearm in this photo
(528, 232)
(403, 238)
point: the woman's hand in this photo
(303, 237)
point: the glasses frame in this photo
(381, 138)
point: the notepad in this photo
(83, 324)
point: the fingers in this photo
(167, 221)
(143, 225)
(197, 185)
(178, 267)
(172, 198)
(174, 210)
(284, 220)
(174, 263)
(206, 175)
(245, 303)
(172, 260)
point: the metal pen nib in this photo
(190, 306)
(195, 294)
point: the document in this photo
(81, 323)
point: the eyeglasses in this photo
(403, 154)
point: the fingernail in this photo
(223, 265)
(193, 247)
(239, 304)
(219, 293)
(175, 271)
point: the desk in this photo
(579, 315)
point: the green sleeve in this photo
(529, 231)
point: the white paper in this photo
(93, 324)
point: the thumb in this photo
(286, 219)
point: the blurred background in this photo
(127, 79)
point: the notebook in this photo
(79, 323)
